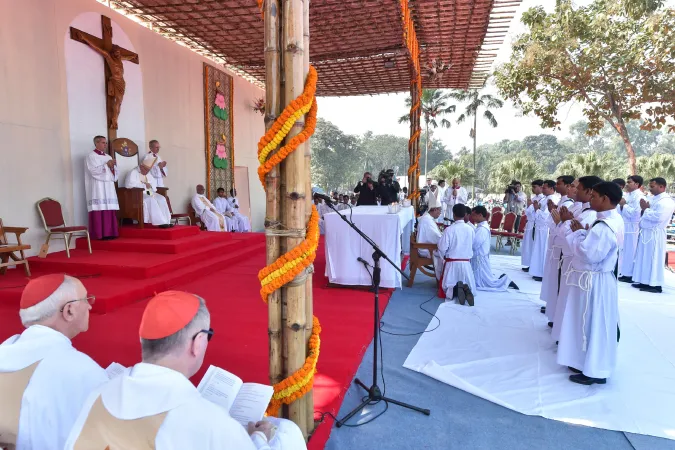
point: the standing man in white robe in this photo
(154, 405)
(243, 224)
(155, 208)
(212, 219)
(100, 175)
(429, 233)
(528, 234)
(456, 249)
(442, 187)
(44, 381)
(224, 207)
(650, 255)
(541, 229)
(159, 170)
(630, 210)
(590, 328)
(454, 195)
(480, 261)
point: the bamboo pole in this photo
(293, 213)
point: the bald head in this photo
(200, 189)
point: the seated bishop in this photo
(456, 249)
(480, 261)
(44, 381)
(243, 224)
(224, 207)
(154, 405)
(429, 233)
(207, 212)
(155, 208)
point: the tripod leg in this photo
(363, 404)
(426, 412)
(360, 383)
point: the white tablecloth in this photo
(344, 245)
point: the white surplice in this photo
(528, 234)
(155, 209)
(588, 337)
(99, 183)
(650, 255)
(157, 172)
(223, 206)
(457, 243)
(427, 233)
(191, 422)
(58, 388)
(213, 221)
(243, 224)
(480, 262)
(450, 200)
(631, 221)
(540, 245)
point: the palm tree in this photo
(657, 165)
(590, 163)
(434, 104)
(522, 167)
(448, 170)
(476, 102)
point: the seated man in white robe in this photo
(243, 224)
(429, 233)
(207, 212)
(455, 247)
(480, 261)
(155, 209)
(224, 207)
(44, 381)
(590, 326)
(154, 405)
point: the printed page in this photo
(114, 370)
(220, 387)
(251, 403)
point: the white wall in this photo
(35, 142)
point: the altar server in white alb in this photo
(541, 229)
(456, 249)
(155, 209)
(159, 170)
(582, 190)
(454, 195)
(480, 261)
(650, 255)
(100, 174)
(429, 233)
(590, 327)
(630, 210)
(154, 405)
(528, 234)
(44, 381)
(243, 224)
(224, 207)
(207, 212)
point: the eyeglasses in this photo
(209, 334)
(91, 300)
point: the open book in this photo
(246, 402)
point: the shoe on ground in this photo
(550, 324)
(513, 285)
(461, 295)
(580, 378)
(543, 310)
(574, 370)
(525, 269)
(537, 278)
(625, 279)
(638, 285)
(652, 289)
(468, 294)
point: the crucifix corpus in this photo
(113, 55)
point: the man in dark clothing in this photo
(367, 191)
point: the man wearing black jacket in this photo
(367, 191)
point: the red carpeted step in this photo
(150, 232)
(144, 245)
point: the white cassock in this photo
(650, 255)
(48, 382)
(213, 221)
(154, 404)
(444, 207)
(243, 224)
(552, 266)
(540, 244)
(480, 262)
(528, 234)
(589, 333)
(223, 206)
(155, 209)
(586, 216)
(457, 244)
(99, 183)
(428, 233)
(157, 172)
(631, 222)
(451, 200)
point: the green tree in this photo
(614, 57)
(548, 150)
(336, 157)
(522, 167)
(601, 165)
(657, 165)
(447, 170)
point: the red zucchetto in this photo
(40, 288)
(167, 313)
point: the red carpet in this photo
(224, 272)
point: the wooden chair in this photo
(125, 153)
(194, 218)
(175, 218)
(54, 223)
(8, 251)
(418, 262)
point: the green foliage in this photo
(522, 167)
(447, 170)
(657, 165)
(336, 158)
(602, 165)
(220, 113)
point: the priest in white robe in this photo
(155, 208)
(224, 207)
(590, 327)
(454, 195)
(207, 212)
(480, 261)
(154, 405)
(630, 211)
(429, 233)
(100, 174)
(159, 170)
(44, 381)
(650, 255)
(528, 234)
(456, 249)
(541, 229)
(243, 223)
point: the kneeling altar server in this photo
(155, 209)
(455, 247)
(480, 261)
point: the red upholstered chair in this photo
(496, 222)
(496, 208)
(54, 223)
(507, 229)
(517, 237)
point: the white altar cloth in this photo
(344, 245)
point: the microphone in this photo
(325, 198)
(362, 261)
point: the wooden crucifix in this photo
(114, 69)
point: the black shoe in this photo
(580, 378)
(543, 310)
(166, 225)
(537, 278)
(652, 289)
(468, 294)
(108, 238)
(550, 324)
(573, 369)
(525, 269)
(513, 285)
(461, 295)
(625, 279)
(639, 285)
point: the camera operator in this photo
(515, 200)
(388, 187)
(367, 190)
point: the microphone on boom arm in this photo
(325, 198)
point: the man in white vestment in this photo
(322, 209)
(100, 175)
(528, 234)
(154, 405)
(243, 224)
(630, 210)
(429, 233)
(155, 209)
(212, 219)
(442, 187)
(590, 325)
(224, 207)
(159, 170)
(44, 381)
(541, 230)
(650, 255)
(454, 195)
(455, 247)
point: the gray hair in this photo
(98, 138)
(153, 349)
(51, 305)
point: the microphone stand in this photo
(374, 392)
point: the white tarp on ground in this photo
(502, 350)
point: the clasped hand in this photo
(644, 204)
(265, 427)
(576, 225)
